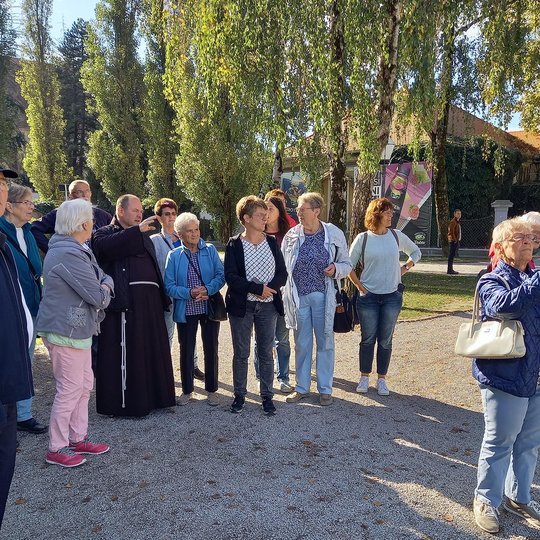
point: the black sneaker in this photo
(268, 406)
(31, 426)
(198, 374)
(238, 404)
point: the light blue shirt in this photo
(382, 270)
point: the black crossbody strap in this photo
(35, 275)
(195, 268)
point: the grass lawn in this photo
(432, 294)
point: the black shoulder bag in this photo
(344, 315)
(216, 304)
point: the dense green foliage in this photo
(79, 122)
(45, 160)
(113, 76)
(7, 107)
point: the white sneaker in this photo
(363, 385)
(382, 389)
(486, 516)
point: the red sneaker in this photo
(65, 457)
(86, 446)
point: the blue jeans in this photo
(24, 407)
(262, 316)
(509, 449)
(377, 314)
(310, 319)
(283, 348)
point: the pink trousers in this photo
(72, 369)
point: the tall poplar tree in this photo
(45, 159)
(113, 77)
(79, 122)
(158, 114)
(7, 50)
(220, 159)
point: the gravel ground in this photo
(366, 467)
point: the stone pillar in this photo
(501, 210)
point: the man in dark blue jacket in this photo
(78, 189)
(15, 372)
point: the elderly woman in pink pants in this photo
(76, 291)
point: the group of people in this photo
(132, 280)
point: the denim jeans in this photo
(283, 347)
(377, 314)
(262, 316)
(24, 407)
(509, 449)
(310, 319)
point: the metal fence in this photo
(475, 233)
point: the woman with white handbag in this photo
(510, 386)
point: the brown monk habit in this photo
(134, 370)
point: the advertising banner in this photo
(293, 186)
(408, 186)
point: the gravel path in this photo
(367, 467)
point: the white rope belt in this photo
(123, 365)
(144, 283)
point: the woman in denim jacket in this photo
(509, 387)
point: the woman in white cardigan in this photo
(315, 255)
(379, 287)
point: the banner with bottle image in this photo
(408, 186)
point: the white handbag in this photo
(490, 339)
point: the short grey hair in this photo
(71, 187)
(183, 219)
(17, 192)
(71, 215)
(315, 200)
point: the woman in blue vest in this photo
(15, 224)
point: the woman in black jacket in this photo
(254, 272)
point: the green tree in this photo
(113, 77)
(529, 103)
(219, 159)
(470, 56)
(7, 107)
(45, 160)
(79, 122)
(158, 114)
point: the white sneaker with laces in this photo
(363, 385)
(382, 388)
(486, 516)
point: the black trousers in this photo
(187, 337)
(453, 247)
(8, 447)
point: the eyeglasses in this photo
(519, 237)
(5, 184)
(26, 203)
(302, 209)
